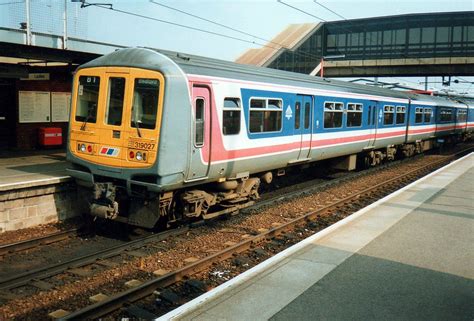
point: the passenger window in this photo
(231, 116)
(462, 116)
(354, 115)
(388, 115)
(333, 115)
(199, 123)
(265, 115)
(400, 115)
(257, 103)
(307, 114)
(418, 115)
(446, 115)
(145, 103)
(274, 103)
(297, 114)
(115, 98)
(427, 112)
(87, 99)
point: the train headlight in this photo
(139, 156)
(83, 148)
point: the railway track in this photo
(360, 197)
(36, 242)
(34, 277)
(63, 235)
(100, 257)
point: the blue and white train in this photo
(159, 136)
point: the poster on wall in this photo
(34, 106)
(60, 105)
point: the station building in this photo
(36, 67)
(432, 44)
(36, 73)
(26, 103)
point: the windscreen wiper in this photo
(137, 121)
(88, 117)
(137, 125)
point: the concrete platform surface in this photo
(20, 170)
(409, 256)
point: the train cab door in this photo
(374, 115)
(113, 132)
(302, 125)
(200, 160)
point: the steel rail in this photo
(51, 270)
(119, 300)
(32, 243)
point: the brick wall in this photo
(38, 205)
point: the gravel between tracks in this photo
(198, 243)
(37, 231)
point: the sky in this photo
(263, 19)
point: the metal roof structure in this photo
(427, 44)
(289, 38)
(45, 50)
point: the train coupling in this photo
(104, 205)
(104, 211)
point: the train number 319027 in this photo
(141, 145)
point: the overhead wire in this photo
(350, 31)
(213, 22)
(109, 7)
(227, 27)
(298, 53)
(337, 14)
(102, 6)
(8, 3)
(302, 11)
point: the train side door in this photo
(372, 122)
(200, 160)
(407, 119)
(302, 124)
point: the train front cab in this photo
(114, 129)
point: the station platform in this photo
(20, 170)
(35, 189)
(409, 256)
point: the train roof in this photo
(148, 58)
(469, 101)
(190, 64)
(437, 100)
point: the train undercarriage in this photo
(110, 200)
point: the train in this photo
(158, 136)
